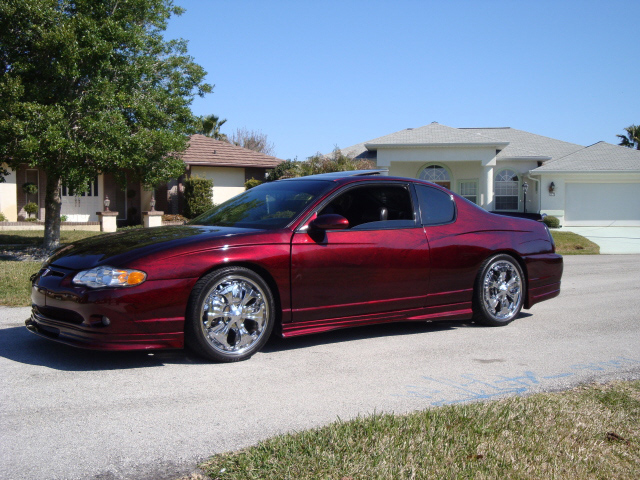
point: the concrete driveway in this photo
(612, 240)
(68, 414)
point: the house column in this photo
(487, 190)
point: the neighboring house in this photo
(227, 165)
(594, 185)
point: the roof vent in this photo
(410, 128)
(215, 151)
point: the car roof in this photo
(338, 175)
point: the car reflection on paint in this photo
(300, 256)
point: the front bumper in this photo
(148, 316)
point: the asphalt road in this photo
(74, 414)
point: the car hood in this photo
(120, 248)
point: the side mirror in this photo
(330, 221)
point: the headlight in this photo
(109, 277)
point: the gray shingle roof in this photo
(599, 157)
(524, 144)
(512, 143)
(434, 134)
(207, 152)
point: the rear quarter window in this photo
(436, 206)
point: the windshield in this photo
(268, 206)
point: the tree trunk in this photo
(52, 206)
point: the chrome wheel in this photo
(234, 315)
(500, 291)
(230, 315)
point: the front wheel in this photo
(230, 315)
(499, 291)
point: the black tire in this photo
(499, 291)
(242, 318)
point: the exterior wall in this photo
(464, 164)
(555, 204)
(227, 181)
(8, 196)
(484, 155)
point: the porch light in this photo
(552, 188)
(107, 202)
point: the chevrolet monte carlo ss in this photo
(300, 255)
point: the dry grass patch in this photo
(587, 433)
(569, 243)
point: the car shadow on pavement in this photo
(18, 345)
(277, 343)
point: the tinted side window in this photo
(436, 206)
(379, 206)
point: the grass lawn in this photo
(590, 432)
(15, 287)
(569, 243)
(34, 238)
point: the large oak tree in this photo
(91, 86)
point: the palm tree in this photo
(210, 127)
(632, 138)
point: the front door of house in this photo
(81, 206)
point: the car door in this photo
(378, 265)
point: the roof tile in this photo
(208, 152)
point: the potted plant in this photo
(31, 208)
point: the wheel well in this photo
(266, 276)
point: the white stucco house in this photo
(229, 166)
(582, 186)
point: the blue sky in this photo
(316, 74)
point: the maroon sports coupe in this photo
(300, 255)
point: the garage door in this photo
(598, 204)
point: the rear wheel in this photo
(499, 291)
(230, 315)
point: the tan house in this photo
(516, 172)
(229, 166)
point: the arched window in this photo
(507, 189)
(436, 174)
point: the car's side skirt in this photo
(460, 311)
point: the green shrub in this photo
(249, 184)
(551, 221)
(2, 217)
(31, 208)
(197, 196)
(63, 218)
(31, 219)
